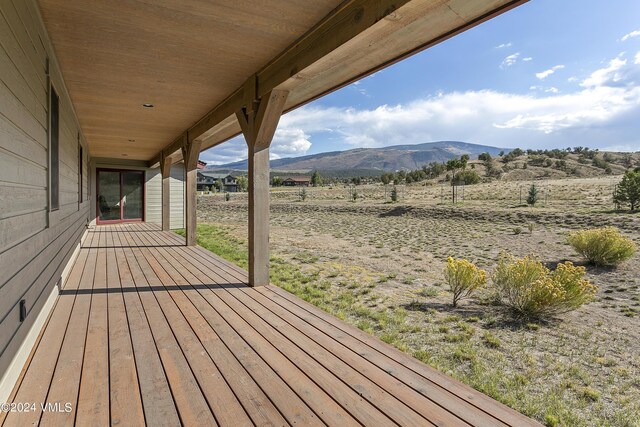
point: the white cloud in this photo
(527, 59)
(603, 111)
(611, 73)
(632, 34)
(290, 141)
(503, 45)
(544, 74)
(637, 59)
(482, 116)
(287, 142)
(510, 60)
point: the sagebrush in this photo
(602, 246)
(532, 290)
(464, 278)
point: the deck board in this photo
(149, 331)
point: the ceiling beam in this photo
(325, 54)
(342, 24)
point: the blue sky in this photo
(547, 74)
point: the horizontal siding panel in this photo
(23, 199)
(18, 228)
(29, 18)
(15, 141)
(34, 74)
(19, 115)
(19, 24)
(20, 170)
(17, 84)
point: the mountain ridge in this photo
(385, 159)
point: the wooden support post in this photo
(190, 152)
(165, 171)
(258, 122)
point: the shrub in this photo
(394, 194)
(602, 246)
(532, 290)
(227, 196)
(464, 278)
(303, 194)
(469, 177)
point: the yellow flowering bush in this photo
(464, 278)
(602, 246)
(532, 290)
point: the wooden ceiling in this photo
(184, 57)
(191, 58)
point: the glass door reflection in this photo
(132, 196)
(120, 196)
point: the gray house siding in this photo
(35, 242)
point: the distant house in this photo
(209, 179)
(204, 182)
(297, 181)
(230, 184)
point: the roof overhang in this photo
(198, 62)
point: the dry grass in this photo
(379, 266)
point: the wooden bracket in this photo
(259, 119)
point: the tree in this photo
(316, 179)
(463, 161)
(628, 191)
(532, 197)
(303, 194)
(243, 183)
(218, 185)
(276, 181)
(453, 164)
(394, 194)
(485, 157)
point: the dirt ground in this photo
(581, 369)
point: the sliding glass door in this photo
(120, 196)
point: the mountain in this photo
(391, 158)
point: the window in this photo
(80, 172)
(54, 151)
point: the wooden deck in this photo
(148, 331)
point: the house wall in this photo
(154, 196)
(35, 244)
